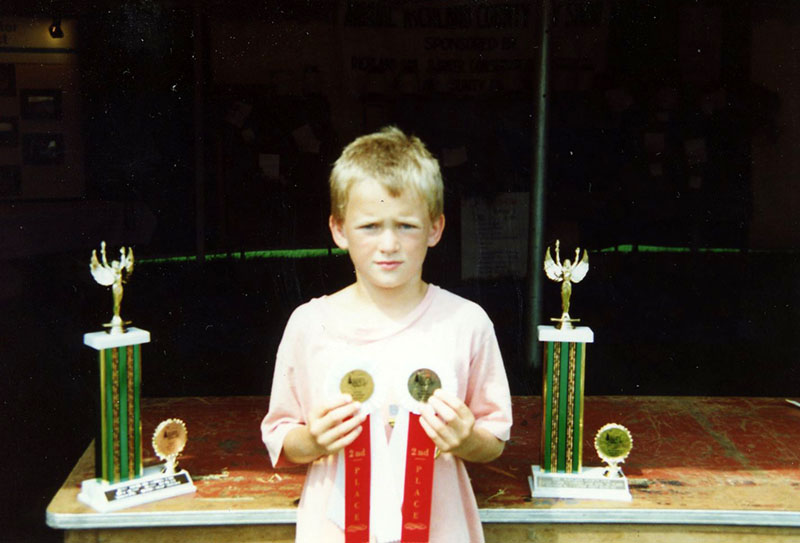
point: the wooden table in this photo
(702, 469)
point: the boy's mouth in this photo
(388, 264)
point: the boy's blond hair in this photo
(393, 159)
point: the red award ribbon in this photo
(357, 457)
(418, 483)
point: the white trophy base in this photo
(152, 486)
(105, 340)
(589, 484)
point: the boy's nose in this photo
(388, 241)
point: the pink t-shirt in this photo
(443, 326)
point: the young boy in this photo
(386, 211)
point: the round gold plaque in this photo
(613, 443)
(357, 383)
(422, 384)
(169, 439)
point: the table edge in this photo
(81, 521)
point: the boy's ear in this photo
(437, 227)
(337, 232)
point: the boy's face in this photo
(387, 237)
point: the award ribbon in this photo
(357, 463)
(357, 468)
(418, 487)
(418, 483)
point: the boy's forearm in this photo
(299, 447)
(480, 447)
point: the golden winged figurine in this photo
(113, 275)
(567, 273)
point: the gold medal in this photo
(422, 384)
(357, 383)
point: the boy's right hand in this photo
(335, 424)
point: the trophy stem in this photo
(613, 471)
(169, 466)
(565, 322)
(117, 325)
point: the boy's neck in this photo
(392, 304)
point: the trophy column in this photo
(562, 397)
(118, 447)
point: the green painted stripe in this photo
(123, 414)
(137, 424)
(630, 248)
(108, 431)
(323, 252)
(563, 397)
(583, 395)
(548, 408)
(100, 443)
(249, 255)
(577, 437)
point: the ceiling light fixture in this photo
(55, 28)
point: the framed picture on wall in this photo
(42, 149)
(10, 184)
(9, 135)
(8, 80)
(40, 104)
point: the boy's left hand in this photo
(447, 420)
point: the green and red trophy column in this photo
(118, 446)
(562, 397)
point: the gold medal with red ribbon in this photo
(420, 452)
(357, 462)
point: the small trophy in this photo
(169, 439)
(157, 482)
(613, 443)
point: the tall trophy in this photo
(120, 480)
(561, 473)
(118, 447)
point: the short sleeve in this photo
(285, 409)
(488, 395)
